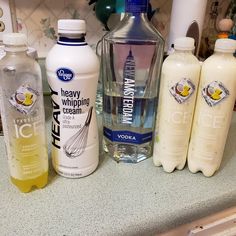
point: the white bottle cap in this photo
(15, 42)
(14, 39)
(225, 45)
(71, 26)
(184, 43)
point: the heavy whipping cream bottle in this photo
(72, 71)
(214, 108)
(179, 82)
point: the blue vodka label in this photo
(127, 137)
(136, 6)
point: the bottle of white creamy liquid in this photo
(179, 82)
(214, 108)
(72, 71)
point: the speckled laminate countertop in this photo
(117, 199)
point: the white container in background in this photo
(179, 82)
(187, 17)
(72, 72)
(214, 108)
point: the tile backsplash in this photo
(38, 19)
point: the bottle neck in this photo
(229, 54)
(136, 7)
(183, 51)
(136, 17)
(71, 40)
(136, 10)
(15, 49)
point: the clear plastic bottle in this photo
(179, 83)
(72, 71)
(23, 115)
(214, 108)
(132, 54)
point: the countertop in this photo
(117, 199)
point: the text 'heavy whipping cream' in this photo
(72, 71)
(214, 108)
(179, 83)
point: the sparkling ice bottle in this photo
(22, 110)
(214, 109)
(179, 83)
(132, 55)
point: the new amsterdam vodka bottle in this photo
(132, 55)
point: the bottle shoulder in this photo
(74, 51)
(21, 63)
(81, 58)
(181, 59)
(135, 29)
(220, 61)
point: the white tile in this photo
(31, 27)
(20, 14)
(82, 5)
(92, 22)
(42, 12)
(43, 45)
(56, 6)
(26, 6)
(30, 13)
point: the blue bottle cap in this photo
(136, 6)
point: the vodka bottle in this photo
(214, 108)
(131, 54)
(22, 111)
(72, 71)
(179, 83)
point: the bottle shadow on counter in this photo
(230, 147)
(47, 107)
(103, 156)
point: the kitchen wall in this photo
(38, 19)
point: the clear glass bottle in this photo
(131, 59)
(22, 111)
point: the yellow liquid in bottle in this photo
(25, 186)
(29, 165)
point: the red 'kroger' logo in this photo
(65, 74)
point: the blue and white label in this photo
(128, 89)
(65, 74)
(128, 137)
